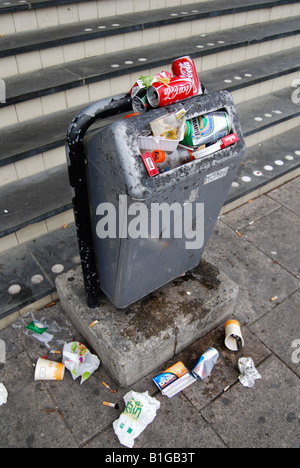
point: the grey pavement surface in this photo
(257, 246)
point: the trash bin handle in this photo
(77, 176)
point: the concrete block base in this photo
(132, 343)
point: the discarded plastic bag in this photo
(248, 372)
(139, 412)
(79, 360)
(3, 394)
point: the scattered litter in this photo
(248, 372)
(206, 363)
(112, 405)
(37, 326)
(51, 304)
(3, 394)
(79, 360)
(174, 379)
(49, 370)
(238, 233)
(139, 412)
(65, 226)
(55, 351)
(94, 323)
(53, 338)
(5, 211)
(273, 298)
(233, 335)
(107, 386)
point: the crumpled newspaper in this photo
(3, 394)
(248, 372)
(79, 360)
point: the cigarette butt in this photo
(51, 304)
(238, 233)
(273, 298)
(226, 388)
(55, 351)
(93, 323)
(64, 227)
(251, 222)
(110, 389)
(112, 405)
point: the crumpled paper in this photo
(3, 394)
(79, 360)
(248, 372)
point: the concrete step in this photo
(38, 145)
(32, 206)
(103, 74)
(148, 26)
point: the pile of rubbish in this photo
(173, 140)
(140, 408)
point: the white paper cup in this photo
(232, 329)
(49, 370)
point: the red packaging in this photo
(160, 95)
(150, 164)
(184, 67)
(229, 140)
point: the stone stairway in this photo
(57, 57)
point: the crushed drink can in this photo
(160, 94)
(184, 67)
(206, 363)
(208, 128)
(140, 102)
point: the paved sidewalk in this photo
(257, 246)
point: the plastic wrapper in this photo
(248, 372)
(51, 334)
(3, 394)
(79, 360)
(171, 125)
(139, 412)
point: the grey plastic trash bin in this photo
(149, 230)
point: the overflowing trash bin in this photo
(154, 183)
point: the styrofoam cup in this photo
(49, 370)
(232, 327)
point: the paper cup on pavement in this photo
(49, 370)
(233, 335)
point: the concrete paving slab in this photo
(271, 236)
(280, 331)
(266, 415)
(259, 278)
(250, 212)
(133, 343)
(29, 419)
(288, 194)
(225, 373)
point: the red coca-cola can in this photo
(160, 94)
(184, 67)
